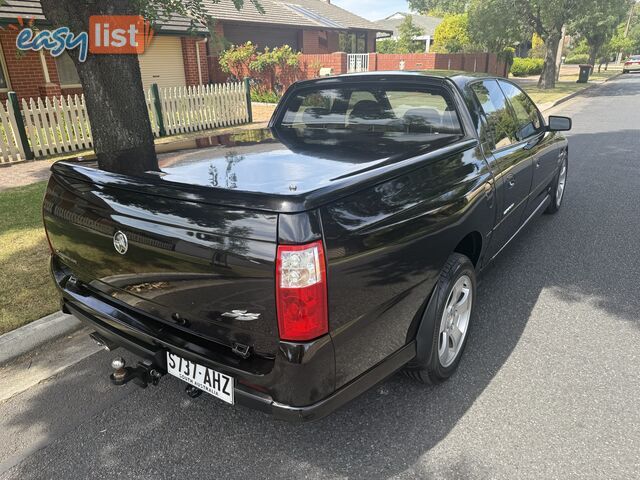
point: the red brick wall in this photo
(412, 61)
(471, 62)
(25, 69)
(189, 54)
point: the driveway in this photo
(549, 386)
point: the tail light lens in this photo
(301, 291)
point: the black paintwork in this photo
(203, 236)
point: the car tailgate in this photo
(206, 269)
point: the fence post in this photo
(247, 88)
(19, 122)
(155, 91)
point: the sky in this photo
(373, 9)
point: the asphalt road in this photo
(549, 385)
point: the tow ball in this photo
(143, 374)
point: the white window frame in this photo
(5, 71)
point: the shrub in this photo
(237, 58)
(264, 97)
(538, 48)
(577, 59)
(523, 67)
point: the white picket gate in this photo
(61, 125)
(11, 149)
(190, 109)
(357, 62)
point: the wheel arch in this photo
(471, 247)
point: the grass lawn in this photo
(26, 290)
(565, 86)
(541, 96)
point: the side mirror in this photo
(558, 124)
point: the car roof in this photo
(459, 78)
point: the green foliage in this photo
(271, 69)
(538, 48)
(507, 55)
(452, 35)
(407, 32)
(280, 57)
(388, 45)
(236, 60)
(264, 97)
(577, 59)
(524, 67)
(439, 7)
(581, 48)
(598, 26)
(491, 28)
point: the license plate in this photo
(206, 379)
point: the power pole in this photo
(559, 54)
(626, 30)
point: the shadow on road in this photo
(581, 256)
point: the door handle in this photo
(511, 181)
(537, 162)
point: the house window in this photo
(67, 72)
(4, 75)
(353, 42)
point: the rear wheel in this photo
(442, 336)
(625, 71)
(558, 188)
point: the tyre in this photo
(558, 187)
(444, 328)
(625, 71)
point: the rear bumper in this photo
(298, 370)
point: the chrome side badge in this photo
(120, 242)
(241, 315)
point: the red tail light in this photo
(301, 291)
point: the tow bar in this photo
(142, 375)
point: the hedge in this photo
(577, 59)
(524, 67)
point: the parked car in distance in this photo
(293, 268)
(632, 64)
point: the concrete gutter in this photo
(24, 339)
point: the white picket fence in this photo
(60, 125)
(190, 109)
(11, 149)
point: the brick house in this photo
(178, 57)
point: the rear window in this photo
(371, 118)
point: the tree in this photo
(407, 32)
(439, 7)
(388, 45)
(599, 26)
(452, 35)
(491, 28)
(112, 85)
(547, 18)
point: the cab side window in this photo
(500, 129)
(529, 121)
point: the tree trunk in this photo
(116, 105)
(548, 76)
(593, 53)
